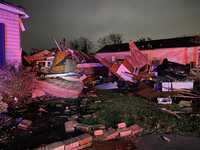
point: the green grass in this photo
(118, 107)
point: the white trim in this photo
(14, 10)
(21, 25)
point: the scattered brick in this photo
(111, 134)
(83, 127)
(70, 126)
(84, 146)
(98, 132)
(125, 132)
(71, 144)
(135, 129)
(85, 139)
(121, 125)
(56, 146)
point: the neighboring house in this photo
(182, 50)
(10, 33)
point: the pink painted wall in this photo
(179, 55)
(12, 37)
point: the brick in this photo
(111, 134)
(70, 126)
(98, 132)
(85, 139)
(83, 127)
(135, 129)
(71, 144)
(125, 132)
(84, 146)
(121, 125)
(56, 146)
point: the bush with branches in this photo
(16, 84)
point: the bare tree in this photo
(196, 39)
(83, 44)
(17, 83)
(142, 39)
(113, 38)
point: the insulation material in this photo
(171, 86)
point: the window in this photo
(49, 64)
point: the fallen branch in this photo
(170, 112)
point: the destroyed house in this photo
(181, 50)
(11, 25)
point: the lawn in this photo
(115, 107)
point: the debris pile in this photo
(65, 98)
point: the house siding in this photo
(180, 55)
(12, 37)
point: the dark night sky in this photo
(96, 18)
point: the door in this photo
(2, 44)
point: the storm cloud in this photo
(95, 18)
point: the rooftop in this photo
(189, 41)
(13, 8)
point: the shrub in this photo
(17, 83)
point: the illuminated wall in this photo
(12, 37)
(181, 55)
